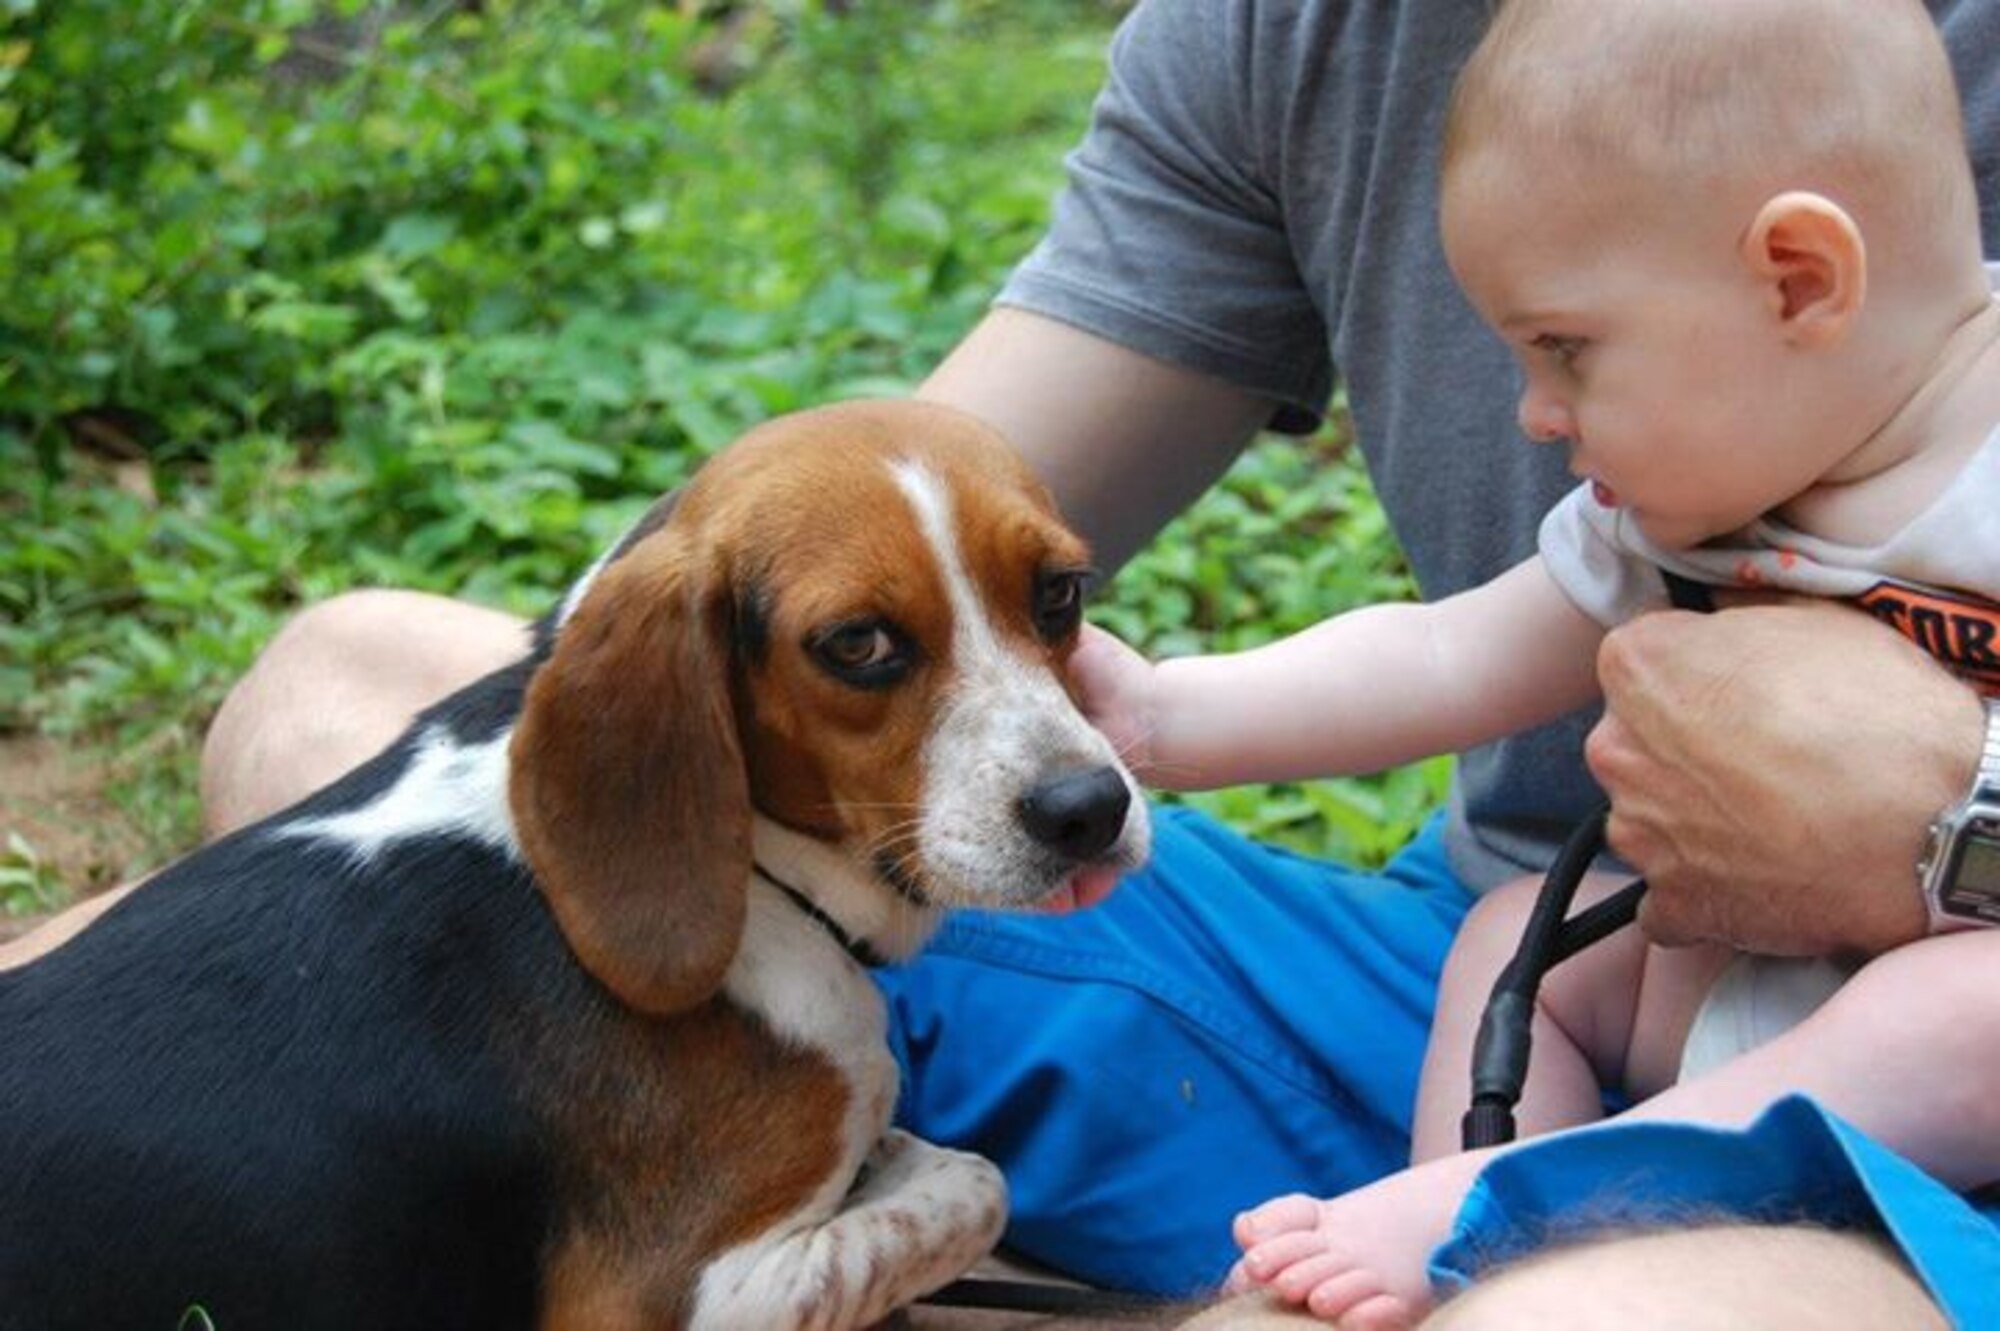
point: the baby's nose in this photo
(1543, 418)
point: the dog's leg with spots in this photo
(919, 1218)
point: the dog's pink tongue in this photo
(1088, 887)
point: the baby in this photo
(1735, 249)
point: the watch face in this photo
(1979, 867)
(1972, 879)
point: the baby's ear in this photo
(1810, 251)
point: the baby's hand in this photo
(1114, 688)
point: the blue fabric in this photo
(1796, 1162)
(1235, 1022)
(1238, 1022)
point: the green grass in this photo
(28, 884)
(294, 312)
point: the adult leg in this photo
(337, 684)
(331, 690)
(1234, 1021)
(334, 687)
(1796, 1164)
(59, 929)
(1251, 1312)
(1721, 1278)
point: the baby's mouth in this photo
(1603, 493)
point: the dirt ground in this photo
(55, 801)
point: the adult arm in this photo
(1772, 771)
(1124, 440)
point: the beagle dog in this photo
(555, 1014)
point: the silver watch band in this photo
(1957, 870)
(1987, 783)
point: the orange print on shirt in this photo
(1961, 632)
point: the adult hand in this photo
(1773, 769)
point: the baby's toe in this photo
(1374, 1312)
(1327, 1283)
(1276, 1256)
(1280, 1214)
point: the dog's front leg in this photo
(920, 1216)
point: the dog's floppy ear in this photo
(628, 786)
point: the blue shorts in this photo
(1237, 1022)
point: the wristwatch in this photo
(1960, 868)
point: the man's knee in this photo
(1719, 1278)
(336, 685)
(1251, 1312)
(1789, 1278)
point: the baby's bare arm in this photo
(1380, 686)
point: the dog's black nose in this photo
(1079, 814)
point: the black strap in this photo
(1687, 594)
(1500, 1050)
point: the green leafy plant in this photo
(305, 295)
(28, 885)
(1291, 534)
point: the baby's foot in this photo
(1358, 1259)
(1293, 1249)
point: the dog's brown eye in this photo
(866, 653)
(857, 648)
(1059, 602)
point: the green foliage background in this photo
(437, 295)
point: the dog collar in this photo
(864, 955)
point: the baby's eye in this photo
(1562, 350)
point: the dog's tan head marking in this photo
(853, 621)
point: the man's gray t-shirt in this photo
(1257, 199)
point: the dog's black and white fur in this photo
(554, 1014)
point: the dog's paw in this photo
(955, 1191)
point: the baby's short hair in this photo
(1852, 98)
